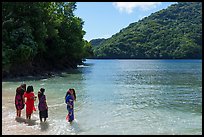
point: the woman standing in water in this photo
(69, 100)
(30, 98)
(42, 106)
(19, 99)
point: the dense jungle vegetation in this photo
(39, 37)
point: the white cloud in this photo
(129, 6)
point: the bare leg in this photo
(26, 116)
(70, 121)
(16, 113)
(19, 113)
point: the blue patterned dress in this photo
(70, 107)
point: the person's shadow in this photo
(44, 126)
(30, 122)
(20, 120)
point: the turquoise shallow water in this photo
(116, 97)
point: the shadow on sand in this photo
(44, 126)
(30, 122)
(20, 120)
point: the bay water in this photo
(115, 97)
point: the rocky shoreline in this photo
(30, 73)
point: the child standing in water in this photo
(69, 100)
(30, 98)
(42, 106)
(19, 99)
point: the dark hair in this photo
(18, 90)
(29, 89)
(23, 86)
(68, 93)
(74, 93)
(42, 90)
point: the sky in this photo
(104, 19)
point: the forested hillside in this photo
(41, 36)
(97, 42)
(172, 33)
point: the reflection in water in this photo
(75, 127)
(44, 126)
